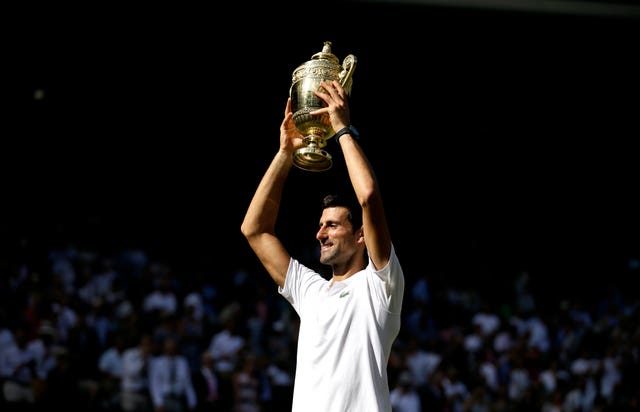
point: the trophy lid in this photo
(326, 54)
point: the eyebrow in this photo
(329, 221)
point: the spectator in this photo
(135, 396)
(205, 383)
(170, 380)
(404, 397)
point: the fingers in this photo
(287, 109)
(288, 116)
(337, 88)
(332, 93)
(333, 89)
(336, 107)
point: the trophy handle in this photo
(348, 66)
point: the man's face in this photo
(335, 234)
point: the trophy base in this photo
(312, 159)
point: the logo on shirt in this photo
(343, 294)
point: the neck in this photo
(339, 275)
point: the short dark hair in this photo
(340, 199)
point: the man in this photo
(348, 323)
(135, 395)
(170, 382)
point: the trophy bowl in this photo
(316, 129)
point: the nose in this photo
(321, 233)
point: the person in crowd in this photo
(205, 383)
(135, 395)
(170, 383)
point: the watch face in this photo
(354, 131)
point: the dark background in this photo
(504, 140)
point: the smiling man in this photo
(348, 323)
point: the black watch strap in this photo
(349, 129)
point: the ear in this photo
(360, 235)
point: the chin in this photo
(326, 259)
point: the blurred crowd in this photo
(124, 332)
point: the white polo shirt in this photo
(346, 332)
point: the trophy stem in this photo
(312, 157)
(314, 140)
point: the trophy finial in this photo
(326, 54)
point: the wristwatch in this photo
(349, 129)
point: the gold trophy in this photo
(316, 130)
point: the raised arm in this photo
(361, 174)
(259, 222)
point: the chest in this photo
(337, 306)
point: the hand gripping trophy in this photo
(316, 130)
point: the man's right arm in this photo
(259, 222)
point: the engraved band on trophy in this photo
(316, 130)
